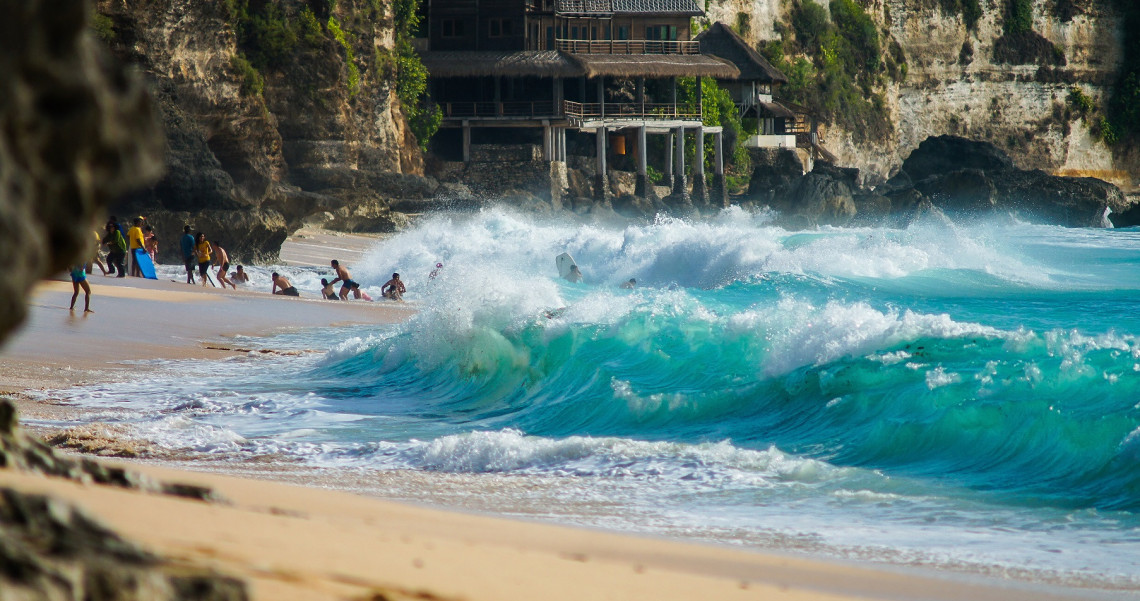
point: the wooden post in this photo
(602, 95)
(641, 183)
(601, 180)
(466, 141)
(700, 191)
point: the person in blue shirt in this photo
(188, 257)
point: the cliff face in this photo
(954, 84)
(260, 135)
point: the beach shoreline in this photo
(266, 531)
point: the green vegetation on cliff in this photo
(1019, 43)
(423, 116)
(838, 67)
(970, 10)
(717, 108)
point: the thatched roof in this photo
(629, 7)
(526, 63)
(776, 109)
(720, 40)
(655, 65)
(553, 63)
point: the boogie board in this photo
(146, 266)
(564, 262)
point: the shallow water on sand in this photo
(953, 397)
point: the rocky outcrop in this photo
(947, 178)
(252, 152)
(75, 130)
(971, 79)
(51, 550)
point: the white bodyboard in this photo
(564, 262)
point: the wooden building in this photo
(779, 124)
(597, 67)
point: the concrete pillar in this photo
(601, 180)
(547, 141)
(679, 183)
(466, 141)
(668, 171)
(641, 184)
(700, 192)
(719, 196)
(498, 96)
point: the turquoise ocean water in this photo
(954, 396)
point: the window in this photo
(499, 28)
(661, 32)
(452, 28)
(574, 32)
(623, 32)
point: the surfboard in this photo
(146, 266)
(564, 262)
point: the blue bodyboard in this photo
(146, 266)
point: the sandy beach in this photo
(295, 542)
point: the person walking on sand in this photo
(223, 261)
(345, 280)
(137, 242)
(286, 288)
(79, 279)
(393, 289)
(96, 259)
(116, 249)
(203, 250)
(188, 257)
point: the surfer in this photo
(575, 274)
(393, 289)
(345, 280)
(286, 288)
(632, 283)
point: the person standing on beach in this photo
(137, 242)
(96, 259)
(345, 280)
(223, 261)
(188, 257)
(203, 250)
(393, 289)
(286, 288)
(116, 249)
(79, 279)
(150, 242)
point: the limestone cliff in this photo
(959, 80)
(272, 111)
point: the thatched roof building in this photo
(719, 40)
(655, 65)
(629, 7)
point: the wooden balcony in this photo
(504, 110)
(584, 111)
(628, 47)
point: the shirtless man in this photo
(240, 276)
(393, 289)
(223, 262)
(286, 288)
(345, 280)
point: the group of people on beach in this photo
(393, 289)
(198, 255)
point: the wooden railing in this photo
(633, 110)
(628, 46)
(464, 110)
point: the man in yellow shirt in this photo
(135, 239)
